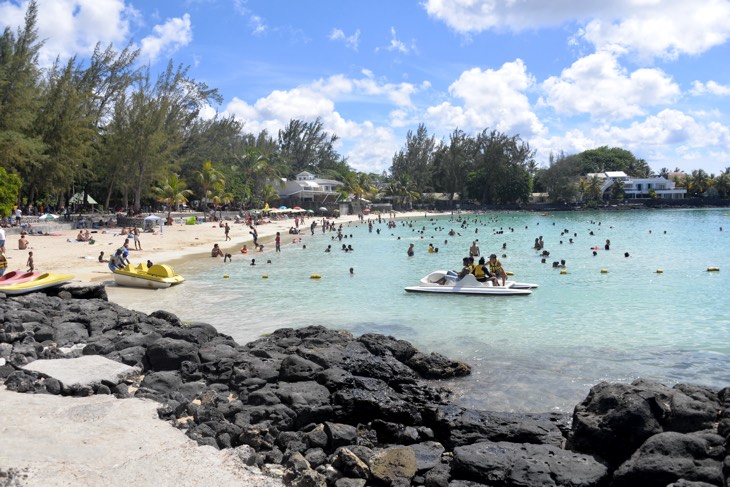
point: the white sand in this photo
(63, 254)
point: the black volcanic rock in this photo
(339, 410)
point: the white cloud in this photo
(367, 146)
(711, 87)
(167, 38)
(71, 27)
(491, 99)
(663, 28)
(599, 86)
(668, 138)
(351, 42)
(258, 26)
(397, 45)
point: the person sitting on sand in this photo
(87, 235)
(80, 237)
(101, 257)
(216, 251)
(22, 243)
(124, 231)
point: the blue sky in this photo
(650, 76)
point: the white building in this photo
(640, 187)
(308, 187)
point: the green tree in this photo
(561, 178)
(452, 164)
(21, 150)
(415, 160)
(305, 146)
(172, 192)
(211, 182)
(697, 183)
(722, 185)
(10, 185)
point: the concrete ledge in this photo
(89, 370)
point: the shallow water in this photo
(529, 353)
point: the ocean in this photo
(609, 317)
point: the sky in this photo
(650, 76)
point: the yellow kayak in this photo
(43, 281)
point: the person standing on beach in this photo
(255, 235)
(137, 243)
(277, 242)
(2, 240)
(228, 229)
(30, 263)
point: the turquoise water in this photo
(535, 353)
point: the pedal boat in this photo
(468, 285)
(159, 276)
(35, 283)
(17, 277)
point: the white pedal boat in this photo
(468, 285)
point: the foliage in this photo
(9, 188)
(104, 126)
(172, 192)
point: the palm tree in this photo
(258, 171)
(364, 187)
(210, 180)
(172, 192)
(698, 182)
(722, 184)
(219, 199)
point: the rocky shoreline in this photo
(321, 407)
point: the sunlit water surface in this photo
(536, 353)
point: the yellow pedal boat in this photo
(43, 281)
(159, 276)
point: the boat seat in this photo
(161, 270)
(468, 280)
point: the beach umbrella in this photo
(48, 217)
(282, 207)
(297, 207)
(323, 208)
(310, 211)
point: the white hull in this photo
(468, 285)
(129, 281)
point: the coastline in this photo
(312, 406)
(60, 252)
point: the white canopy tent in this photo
(150, 221)
(78, 198)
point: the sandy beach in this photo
(60, 252)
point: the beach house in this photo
(635, 188)
(309, 188)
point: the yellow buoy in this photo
(604, 271)
(713, 269)
(226, 276)
(315, 276)
(510, 273)
(660, 271)
(564, 271)
(265, 276)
